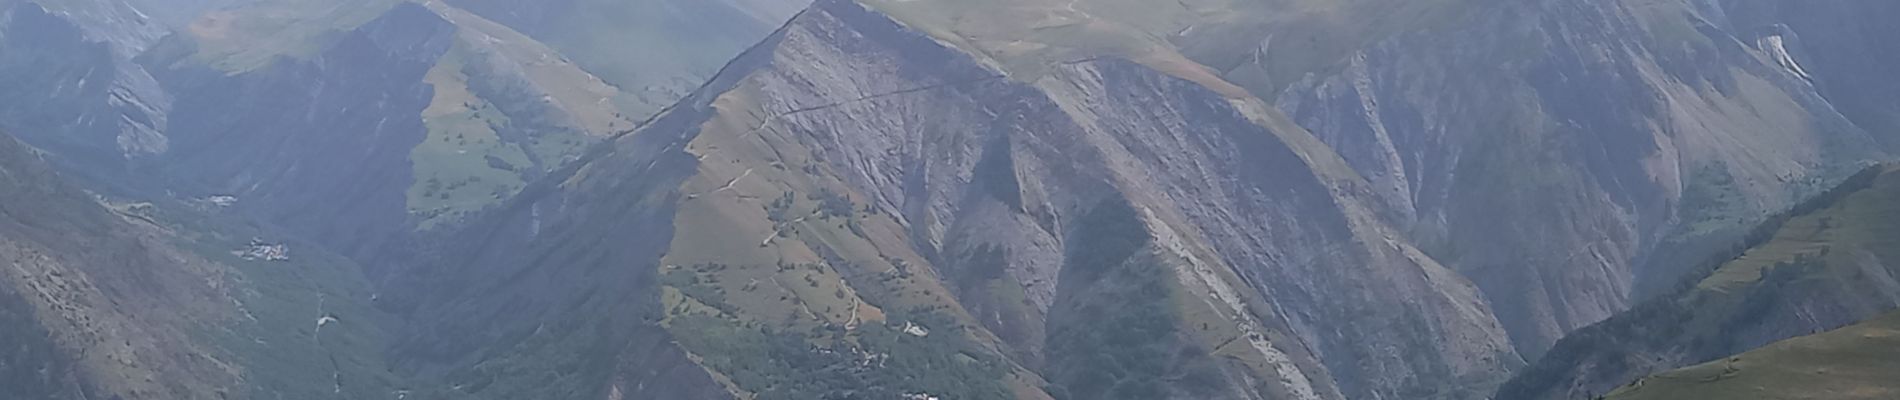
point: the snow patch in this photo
(1777, 47)
(916, 330)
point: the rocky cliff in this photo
(1550, 150)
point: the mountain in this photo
(107, 299)
(73, 87)
(1033, 199)
(804, 196)
(1824, 265)
(1544, 149)
(1412, 211)
(1566, 158)
(275, 101)
(320, 146)
(328, 124)
(1856, 362)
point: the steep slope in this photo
(850, 179)
(1565, 154)
(984, 199)
(506, 110)
(137, 301)
(1839, 45)
(1600, 129)
(1826, 265)
(72, 87)
(320, 146)
(1856, 362)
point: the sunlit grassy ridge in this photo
(1856, 362)
(506, 109)
(463, 165)
(1864, 223)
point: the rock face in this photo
(1552, 150)
(73, 87)
(1840, 46)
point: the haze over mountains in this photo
(978, 199)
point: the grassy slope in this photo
(1810, 252)
(1866, 221)
(759, 250)
(588, 102)
(453, 173)
(1857, 362)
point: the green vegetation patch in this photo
(1116, 331)
(278, 335)
(1858, 362)
(1796, 256)
(875, 361)
(463, 165)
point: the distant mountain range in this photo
(974, 199)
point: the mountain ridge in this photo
(1038, 199)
